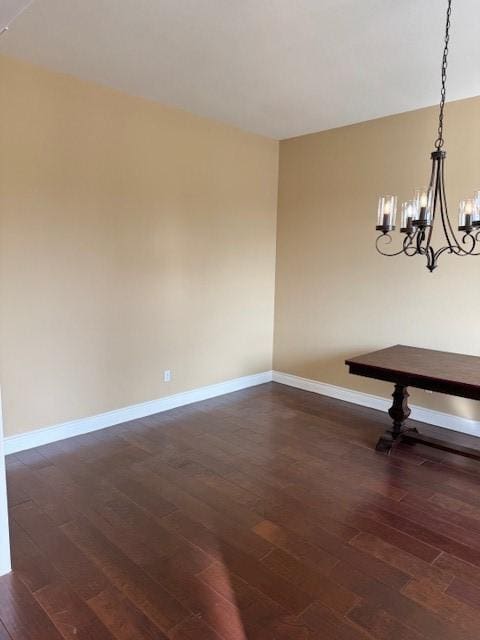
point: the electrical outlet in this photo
(167, 375)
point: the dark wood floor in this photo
(263, 514)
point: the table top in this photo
(440, 371)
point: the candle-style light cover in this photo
(466, 214)
(408, 216)
(423, 206)
(387, 213)
(476, 209)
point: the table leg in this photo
(399, 412)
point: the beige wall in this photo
(136, 238)
(133, 238)
(335, 296)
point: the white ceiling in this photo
(276, 67)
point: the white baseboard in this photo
(38, 437)
(437, 418)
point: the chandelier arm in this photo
(388, 239)
(431, 258)
(447, 225)
(456, 247)
(421, 247)
(477, 241)
(409, 247)
(435, 185)
(452, 240)
(439, 252)
(473, 241)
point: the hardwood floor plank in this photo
(123, 522)
(233, 588)
(32, 458)
(21, 615)
(447, 608)
(32, 483)
(295, 545)
(149, 596)
(430, 536)
(396, 604)
(284, 628)
(288, 510)
(4, 635)
(261, 515)
(329, 626)
(219, 524)
(402, 560)
(123, 619)
(392, 535)
(459, 568)
(247, 567)
(463, 513)
(15, 492)
(72, 617)
(318, 586)
(465, 592)
(460, 528)
(336, 549)
(140, 494)
(262, 617)
(31, 566)
(202, 600)
(67, 559)
(381, 625)
(214, 497)
(194, 628)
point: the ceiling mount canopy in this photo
(10, 10)
(429, 204)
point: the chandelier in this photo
(429, 204)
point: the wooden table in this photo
(439, 371)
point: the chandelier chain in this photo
(440, 141)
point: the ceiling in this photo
(10, 10)
(280, 68)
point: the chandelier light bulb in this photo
(387, 213)
(465, 214)
(408, 216)
(423, 206)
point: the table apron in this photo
(448, 387)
